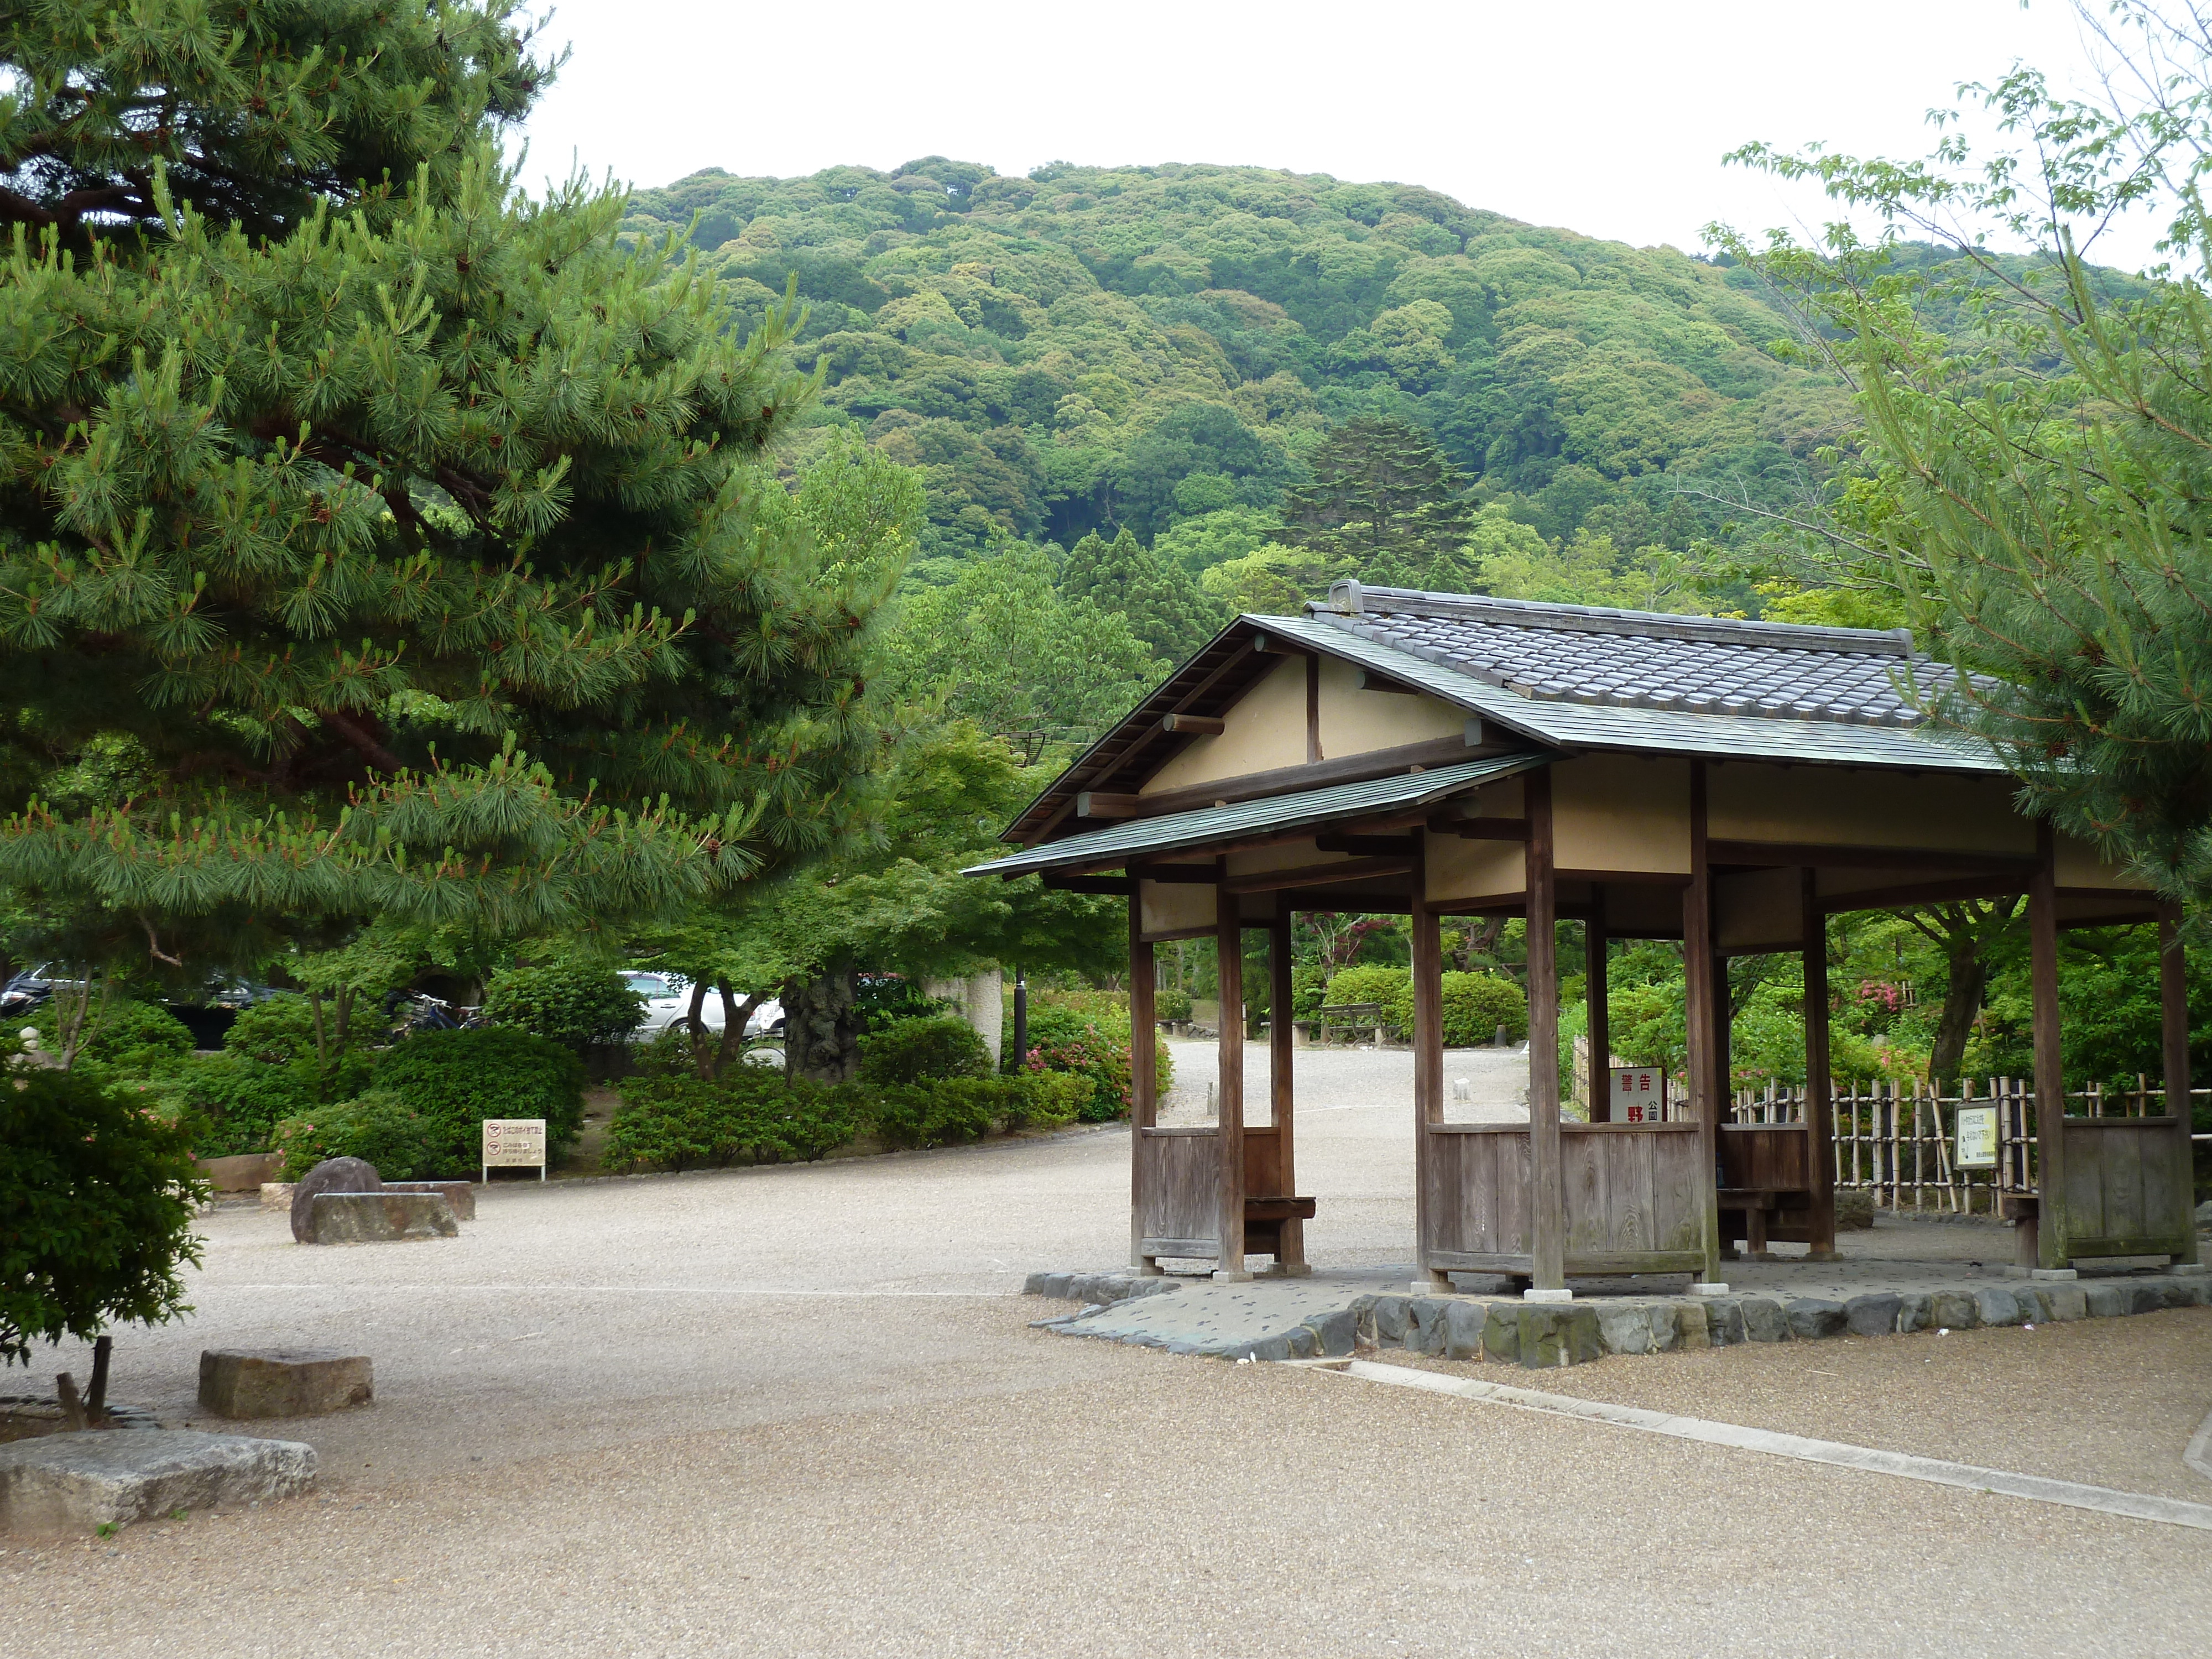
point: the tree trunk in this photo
(735, 1016)
(695, 1030)
(821, 1027)
(1968, 979)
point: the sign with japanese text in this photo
(514, 1143)
(1976, 1137)
(1639, 1094)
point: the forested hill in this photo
(1155, 349)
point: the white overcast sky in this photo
(1607, 119)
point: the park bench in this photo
(1354, 1018)
(1765, 1185)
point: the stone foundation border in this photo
(1540, 1336)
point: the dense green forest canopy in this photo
(1159, 349)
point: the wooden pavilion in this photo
(1722, 782)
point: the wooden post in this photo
(2173, 1027)
(1708, 1090)
(1290, 1259)
(1428, 1062)
(1595, 945)
(1228, 1123)
(1144, 1080)
(2049, 1056)
(1547, 1201)
(1820, 1107)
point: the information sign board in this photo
(1977, 1139)
(1639, 1094)
(513, 1143)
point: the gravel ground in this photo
(799, 1412)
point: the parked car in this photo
(667, 999)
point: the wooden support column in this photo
(1820, 1106)
(1598, 998)
(1428, 967)
(1290, 1259)
(1228, 1123)
(1144, 1080)
(1546, 1200)
(2050, 1054)
(1705, 1085)
(2173, 1029)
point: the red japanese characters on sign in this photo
(1639, 1094)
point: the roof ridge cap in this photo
(1354, 599)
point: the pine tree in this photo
(1384, 505)
(1165, 608)
(414, 545)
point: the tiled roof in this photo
(1642, 659)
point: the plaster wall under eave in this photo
(1865, 806)
(1357, 722)
(1264, 730)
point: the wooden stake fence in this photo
(1896, 1140)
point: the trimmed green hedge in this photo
(1061, 1041)
(923, 1050)
(1475, 1004)
(574, 1004)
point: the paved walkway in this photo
(800, 1412)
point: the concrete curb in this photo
(1542, 1336)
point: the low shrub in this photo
(97, 1194)
(234, 1104)
(951, 1110)
(928, 1049)
(1060, 1041)
(575, 1003)
(130, 1038)
(1174, 1005)
(749, 1115)
(381, 1128)
(456, 1080)
(1368, 984)
(279, 1030)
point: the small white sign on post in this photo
(1977, 1139)
(1639, 1094)
(513, 1143)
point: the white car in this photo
(667, 999)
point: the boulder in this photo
(462, 1196)
(277, 1195)
(1875, 1314)
(76, 1482)
(1811, 1317)
(1501, 1331)
(332, 1175)
(379, 1218)
(1392, 1320)
(1463, 1329)
(248, 1382)
(1854, 1209)
(1764, 1320)
(1335, 1333)
(1425, 1324)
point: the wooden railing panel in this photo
(1180, 1171)
(1632, 1189)
(1772, 1157)
(1263, 1163)
(2124, 1195)
(1478, 1191)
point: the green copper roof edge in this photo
(1309, 809)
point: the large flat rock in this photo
(378, 1218)
(252, 1382)
(461, 1194)
(76, 1482)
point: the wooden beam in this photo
(1371, 681)
(1485, 828)
(1294, 779)
(1096, 804)
(1820, 1105)
(2049, 1060)
(1282, 1104)
(1115, 884)
(2173, 1033)
(1697, 1015)
(1923, 892)
(1776, 854)
(1144, 1078)
(1547, 1212)
(1313, 711)
(1598, 998)
(1229, 959)
(1428, 968)
(1177, 875)
(1316, 875)
(1196, 725)
(1382, 846)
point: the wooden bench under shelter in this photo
(1726, 783)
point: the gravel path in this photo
(800, 1412)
